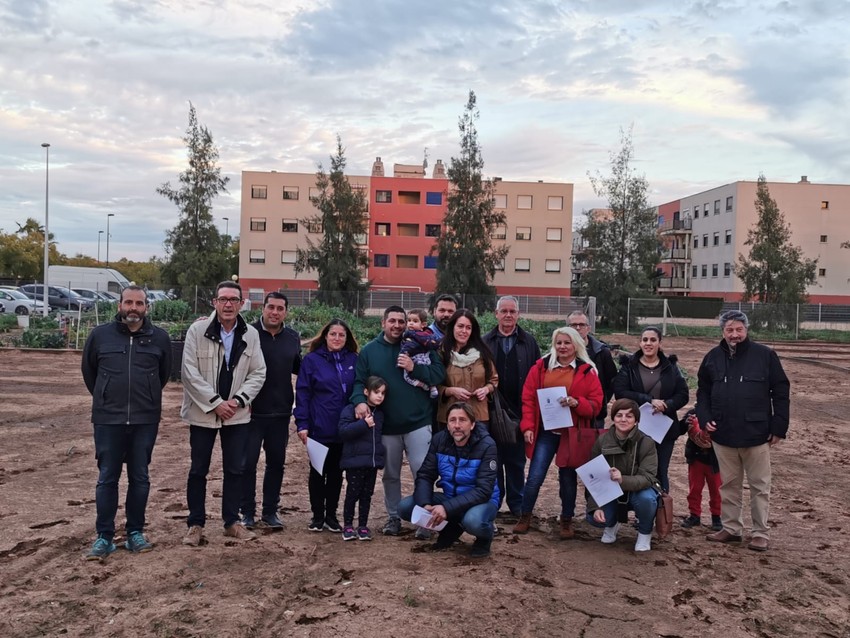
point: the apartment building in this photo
(703, 234)
(405, 212)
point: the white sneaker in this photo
(609, 534)
(643, 543)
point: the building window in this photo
(824, 205)
(290, 226)
(728, 235)
(704, 271)
(499, 232)
(693, 272)
(729, 204)
(360, 239)
(524, 202)
(434, 199)
(432, 230)
(696, 212)
(522, 265)
(555, 203)
(823, 239)
(409, 197)
(696, 242)
(315, 227)
(553, 234)
(257, 256)
(553, 265)
(287, 256)
(727, 269)
(705, 240)
(430, 262)
(382, 261)
(313, 193)
(500, 201)
(383, 197)
(821, 272)
(258, 224)
(714, 270)
(408, 230)
(716, 238)
(382, 229)
(705, 210)
(716, 206)
(290, 192)
(406, 261)
(259, 192)
(523, 233)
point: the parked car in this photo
(17, 302)
(58, 297)
(93, 295)
(157, 295)
(2, 308)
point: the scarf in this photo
(463, 360)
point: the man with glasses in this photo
(223, 372)
(514, 351)
(601, 355)
(271, 411)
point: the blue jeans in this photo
(115, 445)
(665, 453)
(272, 434)
(544, 452)
(477, 520)
(644, 504)
(234, 438)
(511, 474)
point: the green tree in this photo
(143, 273)
(196, 252)
(22, 252)
(775, 271)
(337, 258)
(622, 244)
(467, 259)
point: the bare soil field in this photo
(298, 583)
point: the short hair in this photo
(446, 297)
(733, 315)
(461, 405)
(390, 309)
(274, 294)
(419, 312)
(374, 382)
(578, 312)
(654, 329)
(626, 404)
(500, 300)
(133, 287)
(228, 284)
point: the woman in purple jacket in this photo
(321, 392)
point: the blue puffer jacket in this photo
(361, 445)
(322, 390)
(466, 474)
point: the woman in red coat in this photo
(566, 365)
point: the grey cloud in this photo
(25, 15)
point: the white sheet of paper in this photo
(317, 453)
(554, 415)
(422, 517)
(655, 426)
(596, 476)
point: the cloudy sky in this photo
(716, 91)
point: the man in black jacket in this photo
(514, 351)
(125, 364)
(743, 401)
(271, 411)
(602, 359)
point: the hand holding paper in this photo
(554, 414)
(596, 476)
(654, 424)
(317, 453)
(423, 518)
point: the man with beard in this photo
(444, 308)
(126, 364)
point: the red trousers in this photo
(698, 475)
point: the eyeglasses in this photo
(576, 326)
(228, 300)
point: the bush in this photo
(170, 310)
(43, 339)
(8, 322)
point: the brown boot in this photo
(523, 524)
(567, 532)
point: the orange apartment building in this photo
(405, 213)
(703, 235)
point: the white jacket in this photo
(202, 356)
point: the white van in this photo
(100, 279)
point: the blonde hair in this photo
(578, 344)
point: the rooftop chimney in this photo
(804, 179)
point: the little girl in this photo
(362, 455)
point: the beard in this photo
(130, 317)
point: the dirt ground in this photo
(298, 583)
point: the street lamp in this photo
(99, 233)
(107, 237)
(226, 227)
(46, 148)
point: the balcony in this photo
(673, 284)
(676, 227)
(676, 255)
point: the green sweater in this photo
(406, 408)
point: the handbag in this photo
(580, 443)
(664, 514)
(504, 426)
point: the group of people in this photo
(425, 393)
